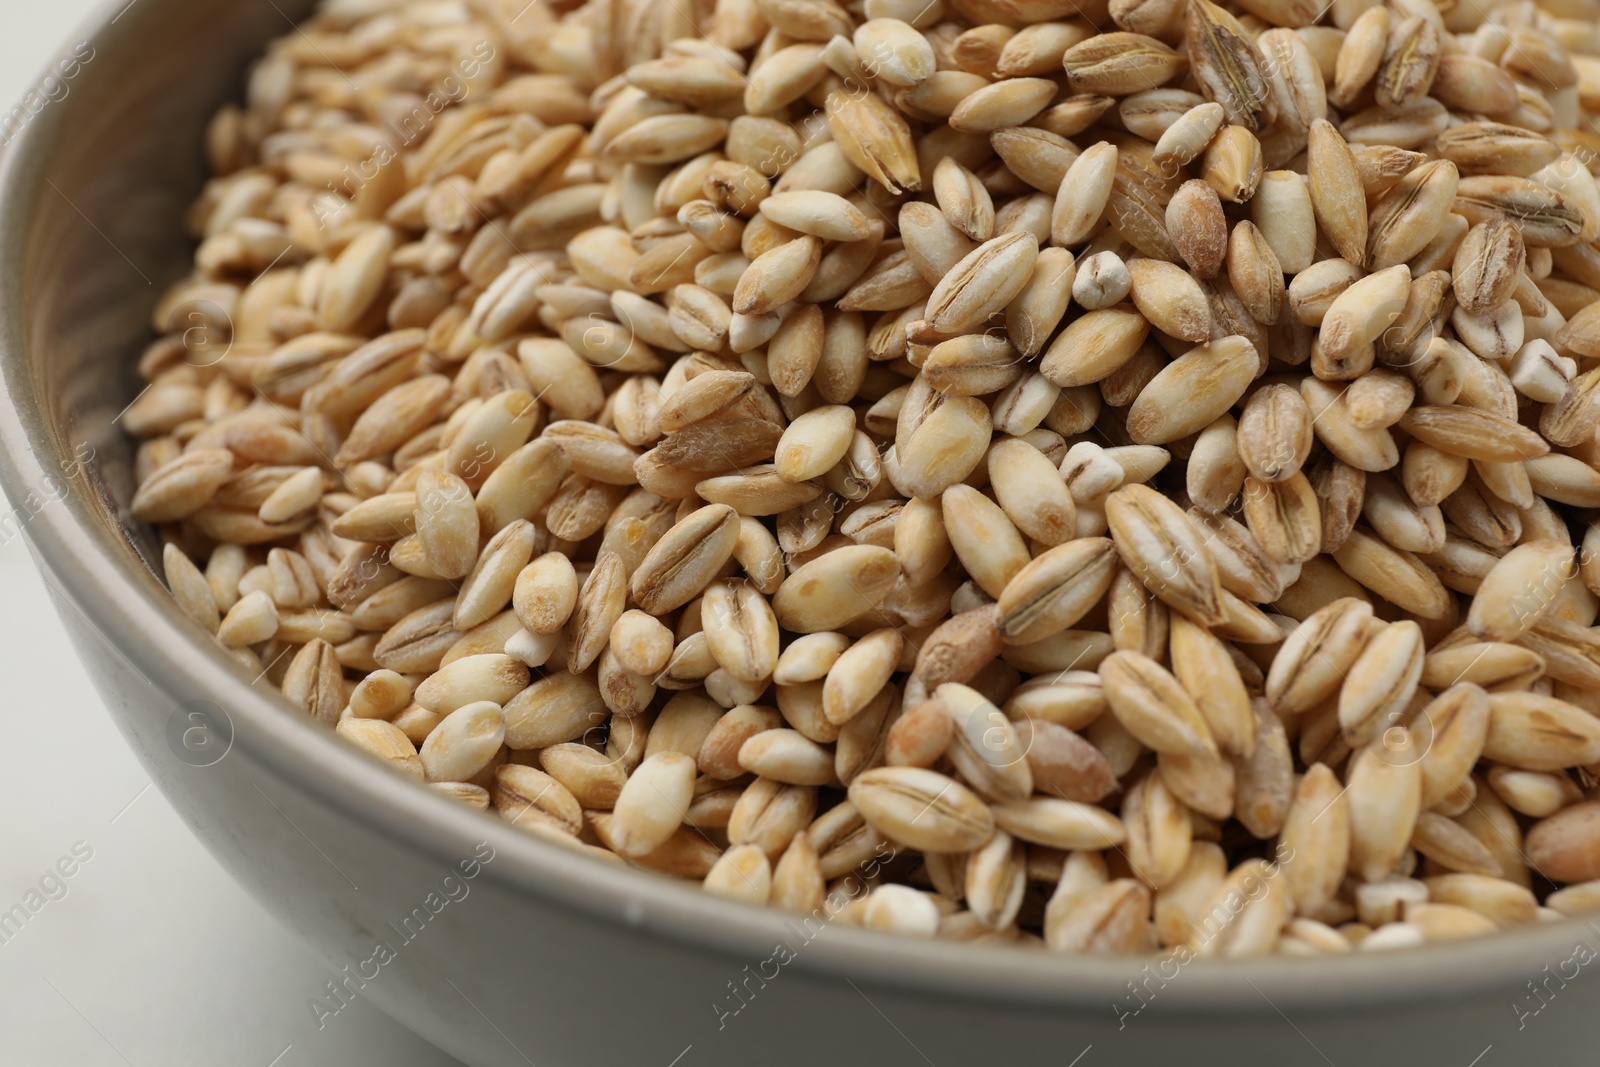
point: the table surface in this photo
(153, 955)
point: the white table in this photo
(153, 957)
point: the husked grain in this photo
(1104, 480)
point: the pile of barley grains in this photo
(1101, 477)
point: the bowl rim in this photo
(91, 566)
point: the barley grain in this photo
(736, 360)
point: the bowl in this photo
(500, 948)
